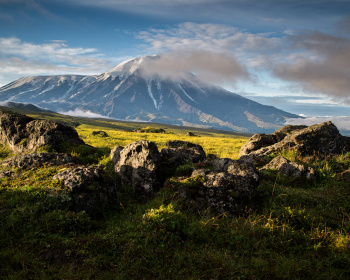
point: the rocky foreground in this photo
(221, 184)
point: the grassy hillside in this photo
(289, 230)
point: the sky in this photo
(294, 55)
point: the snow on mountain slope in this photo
(133, 90)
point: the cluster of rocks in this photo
(90, 188)
(220, 184)
(320, 140)
(317, 140)
(141, 166)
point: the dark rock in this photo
(25, 134)
(190, 134)
(35, 160)
(179, 153)
(138, 167)
(224, 190)
(92, 190)
(115, 154)
(100, 133)
(291, 169)
(322, 140)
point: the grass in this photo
(289, 229)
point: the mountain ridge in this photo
(135, 90)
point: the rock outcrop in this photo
(25, 134)
(291, 169)
(35, 160)
(322, 140)
(92, 190)
(138, 167)
(178, 153)
(224, 189)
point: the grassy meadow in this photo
(290, 229)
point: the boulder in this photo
(322, 140)
(25, 134)
(35, 160)
(91, 189)
(138, 167)
(178, 153)
(190, 134)
(100, 133)
(222, 190)
(291, 169)
(115, 154)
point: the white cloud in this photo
(342, 123)
(82, 113)
(20, 58)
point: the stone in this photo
(115, 154)
(100, 133)
(25, 134)
(190, 134)
(223, 190)
(179, 153)
(35, 160)
(321, 140)
(290, 169)
(138, 167)
(92, 190)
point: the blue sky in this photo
(294, 55)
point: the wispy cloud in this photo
(54, 57)
(208, 66)
(82, 113)
(320, 64)
(342, 123)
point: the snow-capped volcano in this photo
(135, 90)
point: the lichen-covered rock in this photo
(92, 190)
(35, 160)
(224, 189)
(5, 173)
(291, 169)
(115, 154)
(25, 134)
(179, 153)
(321, 140)
(138, 167)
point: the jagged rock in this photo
(92, 190)
(5, 173)
(179, 153)
(25, 134)
(138, 167)
(322, 139)
(223, 190)
(35, 160)
(100, 133)
(291, 169)
(115, 154)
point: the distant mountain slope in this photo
(129, 92)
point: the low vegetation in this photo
(289, 230)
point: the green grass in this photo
(289, 229)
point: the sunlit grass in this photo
(220, 145)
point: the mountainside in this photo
(131, 92)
